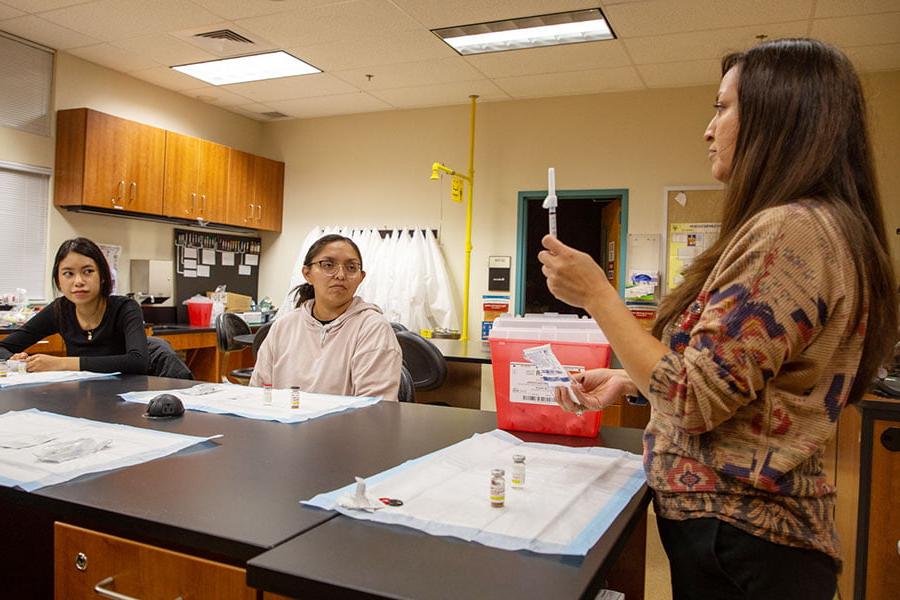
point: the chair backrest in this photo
(398, 326)
(229, 325)
(260, 337)
(424, 361)
(164, 362)
(407, 391)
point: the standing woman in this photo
(334, 342)
(102, 333)
(776, 327)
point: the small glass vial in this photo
(498, 488)
(22, 367)
(295, 396)
(3, 368)
(267, 394)
(517, 477)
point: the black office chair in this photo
(164, 362)
(398, 326)
(407, 391)
(229, 325)
(246, 373)
(425, 363)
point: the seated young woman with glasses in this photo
(334, 342)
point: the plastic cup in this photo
(199, 313)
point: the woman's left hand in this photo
(45, 362)
(572, 276)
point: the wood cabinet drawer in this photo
(84, 558)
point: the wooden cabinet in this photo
(255, 191)
(104, 162)
(107, 162)
(196, 178)
(86, 560)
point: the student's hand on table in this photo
(45, 362)
(18, 356)
(596, 389)
(572, 276)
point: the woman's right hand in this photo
(596, 389)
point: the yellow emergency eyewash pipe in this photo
(436, 170)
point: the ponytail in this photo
(302, 293)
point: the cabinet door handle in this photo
(120, 193)
(249, 213)
(193, 202)
(259, 206)
(101, 590)
(133, 191)
(203, 204)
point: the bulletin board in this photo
(205, 260)
(693, 218)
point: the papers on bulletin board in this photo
(251, 259)
(190, 264)
(190, 273)
(202, 270)
(209, 257)
(686, 242)
(244, 401)
(190, 253)
(40, 448)
(228, 259)
(244, 270)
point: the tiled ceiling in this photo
(380, 55)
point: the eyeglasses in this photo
(329, 267)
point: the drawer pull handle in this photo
(890, 439)
(102, 591)
(81, 561)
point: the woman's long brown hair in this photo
(802, 135)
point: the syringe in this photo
(550, 201)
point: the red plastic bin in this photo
(519, 411)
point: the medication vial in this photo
(517, 479)
(295, 396)
(267, 394)
(498, 488)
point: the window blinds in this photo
(26, 75)
(24, 201)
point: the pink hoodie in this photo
(357, 354)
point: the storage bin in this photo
(524, 401)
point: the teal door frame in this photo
(522, 224)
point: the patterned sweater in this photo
(761, 364)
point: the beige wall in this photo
(374, 169)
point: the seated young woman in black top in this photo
(103, 333)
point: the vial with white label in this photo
(267, 394)
(517, 479)
(295, 397)
(498, 488)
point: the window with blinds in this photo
(26, 76)
(24, 201)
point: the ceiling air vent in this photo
(274, 114)
(225, 35)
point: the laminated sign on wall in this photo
(686, 242)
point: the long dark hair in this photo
(85, 247)
(802, 135)
(305, 291)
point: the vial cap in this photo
(498, 472)
(267, 385)
(295, 387)
(519, 458)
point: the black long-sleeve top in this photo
(118, 343)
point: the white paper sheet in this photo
(209, 257)
(190, 264)
(126, 446)
(244, 270)
(190, 253)
(244, 401)
(251, 259)
(203, 271)
(570, 498)
(228, 259)
(14, 379)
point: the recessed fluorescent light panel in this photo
(528, 32)
(248, 68)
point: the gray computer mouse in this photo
(164, 406)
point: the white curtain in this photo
(406, 276)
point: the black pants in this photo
(712, 560)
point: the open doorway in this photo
(593, 221)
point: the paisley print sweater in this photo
(759, 368)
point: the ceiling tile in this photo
(36, 6)
(109, 20)
(444, 94)
(885, 57)
(43, 32)
(426, 72)
(330, 23)
(404, 46)
(323, 106)
(868, 30)
(549, 59)
(167, 78)
(8, 12)
(216, 95)
(706, 44)
(434, 14)
(240, 9)
(572, 83)
(846, 8)
(656, 17)
(284, 88)
(681, 74)
(253, 110)
(164, 49)
(113, 58)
